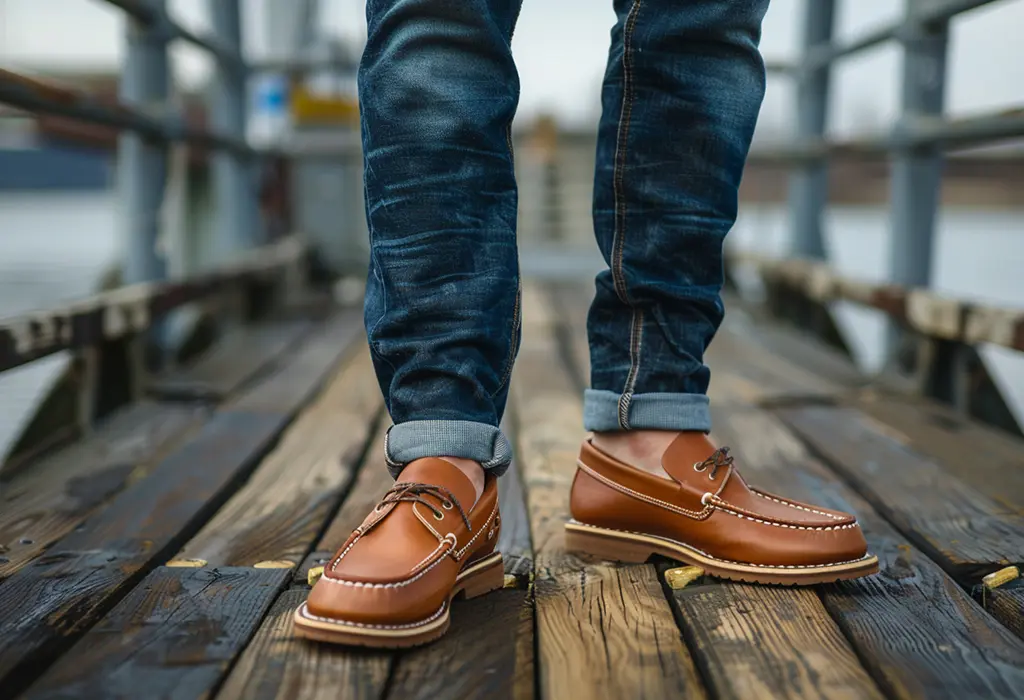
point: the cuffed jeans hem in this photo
(417, 439)
(605, 411)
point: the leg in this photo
(681, 96)
(438, 90)
(683, 89)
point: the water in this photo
(56, 247)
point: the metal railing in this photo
(111, 335)
(916, 143)
(932, 338)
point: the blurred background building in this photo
(58, 218)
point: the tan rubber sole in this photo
(636, 548)
(481, 578)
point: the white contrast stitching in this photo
(427, 558)
(725, 561)
(794, 505)
(341, 555)
(394, 584)
(346, 623)
(726, 508)
(482, 528)
(697, 515)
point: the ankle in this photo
(474, 472)
(642, 449)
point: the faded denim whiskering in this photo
(438, 91)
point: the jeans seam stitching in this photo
(625, 117)
(516, 323)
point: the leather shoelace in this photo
(412, 492)
(719, 458)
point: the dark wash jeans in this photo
(438, 90)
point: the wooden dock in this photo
(162, 556)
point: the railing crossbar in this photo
(146, 14)
(36, 96)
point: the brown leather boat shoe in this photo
(392, 582)
(709, 517)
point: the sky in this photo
(560, 48)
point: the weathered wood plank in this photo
(46, 501)
(282, 509)
(61, 594)
(969, 534)
(479, 656)
(371, 483)
(514, 539)
(756, 641)
(758, 376)
(791, 345)
(274, 518)
(990, 460)
(768, 642)
(603, 631)
(279, 665)
(917, 632)
(295, 382)
(1007, 605)
(174, 636)
(276, 665)
(58, 596)
(231, 362)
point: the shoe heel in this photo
(490, 578)
(604, 547)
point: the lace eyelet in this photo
(438, 516)
(699, 466)
(447, 505)
(378, 508)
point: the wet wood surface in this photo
(174, 635)
(46, 501)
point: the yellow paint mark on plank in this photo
(682, 576)
(998, 578)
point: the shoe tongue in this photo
(440, 472)
(685, 451)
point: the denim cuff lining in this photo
(653, 411)
(417, 439)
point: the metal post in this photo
(236, 208)
(142, 164)
(808, 185)
(917, 170)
